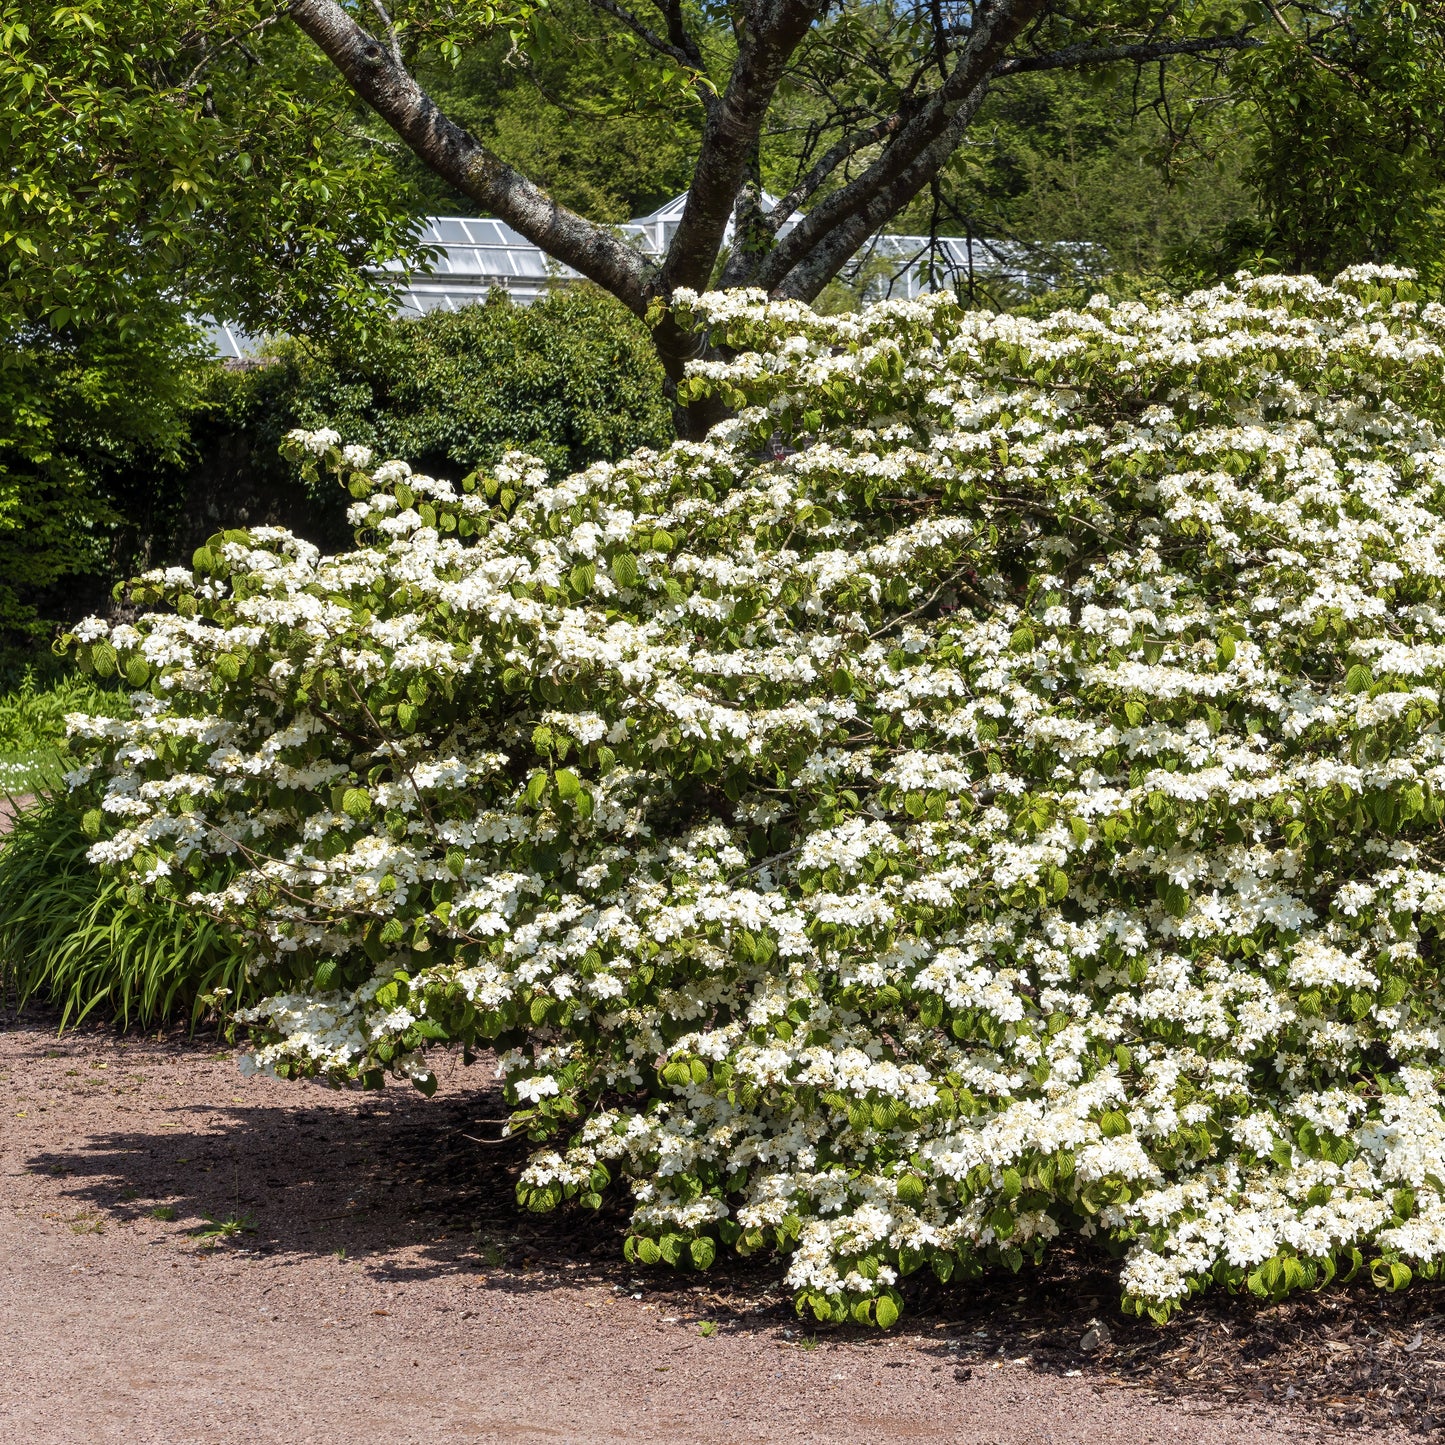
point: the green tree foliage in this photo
(1146, 165)
(79, 408)
(598, 132)
(165, 149)
(162, 158)
(1069, 157)
(570, 379)
(1136, 169)
(1349, 165)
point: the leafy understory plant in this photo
(87, 940)
(988, 791)
(32, 728)
(214, 1232)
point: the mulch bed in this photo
(1351, 1356)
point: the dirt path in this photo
(389, 1290)
(10, 808)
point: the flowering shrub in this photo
(990, 789)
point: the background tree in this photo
(162, 159)
(168, 159)
(856, 112)
(601, 135)
(1349, 160)
(1091, 176)
(1136, 163)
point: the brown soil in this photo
(11, 808)
(382, 1285)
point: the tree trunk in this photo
(675, 348)
(912, 145)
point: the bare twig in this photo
(654, 41)
(393, 43)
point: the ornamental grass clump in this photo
(88, 942)
(989, 791)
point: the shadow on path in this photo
(411, 1188)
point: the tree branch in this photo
(654, 41)
(1077, 56)
(680, 35)
(210, 56)
(461, 160)
(996, 24)
(940, 37)
(803, 263)
(829, 161)
(771, 31)
(826, 257)
(393, 43)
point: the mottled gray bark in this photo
(379, 78)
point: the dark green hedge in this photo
(571, 378)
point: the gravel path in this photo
(389, 1290)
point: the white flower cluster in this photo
(991, 789)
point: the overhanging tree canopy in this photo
(170, 154)
(161, 158)
(894, 89)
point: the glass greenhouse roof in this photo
(474, 256)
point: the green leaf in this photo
(1113, 1124)
(910, 1190)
